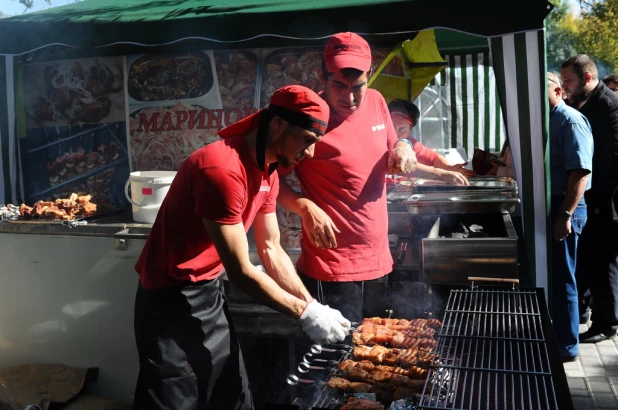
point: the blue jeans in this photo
(564, 300)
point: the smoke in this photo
(603, 69)
(415, 299)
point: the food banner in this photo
(75, 139)
(90, 121)
(178, 102)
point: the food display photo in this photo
(85, 159)
(178, 102)
(85, 91)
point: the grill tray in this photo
(499, 352)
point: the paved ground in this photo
(593, 378)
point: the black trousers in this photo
(355, 300)
(597, 269)
(189, 355)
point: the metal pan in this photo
(438, 204)
(421, 185)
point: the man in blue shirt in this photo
(571, 147)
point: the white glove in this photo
(401, 161)
(320, 324)
(345, 323)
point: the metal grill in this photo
(491, 354)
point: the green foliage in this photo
(28, 4)
(593, 31)
(598, 32)
(562, 40)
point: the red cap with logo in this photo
(295, 104)
(347, 50)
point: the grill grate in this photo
(492, 354)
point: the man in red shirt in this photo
(189, 354)
(344, 187)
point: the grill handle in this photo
(514, 282)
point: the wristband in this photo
(407, 141)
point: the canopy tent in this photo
(97, 23)
(109, 27)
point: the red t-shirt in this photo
(219, 182)
(424, 155)
(346, 178)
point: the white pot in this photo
(148, 189)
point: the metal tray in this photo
(503, 202)
(422, 185)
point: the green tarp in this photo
(96, 23)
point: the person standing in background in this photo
(597, 261)
(405, 115)
(571, 147)
(611, 81)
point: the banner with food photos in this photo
(75, 137)
(92, 121)
(178, 102)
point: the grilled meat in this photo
(358, 387)
(338, 383)
(363, 364)
(418, 356)
(362, 404)
(374, 354)
(348, 386)
(356, 374)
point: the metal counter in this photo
(67, 297)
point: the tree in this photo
(29, 3)
(562, 40)
(597, 32)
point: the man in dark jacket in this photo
(597, 264)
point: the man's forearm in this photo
(280, 267)
(575, 188)
(289, 199)
(267, 291)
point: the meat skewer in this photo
(367, 371)
(418, 356)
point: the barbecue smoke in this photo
(414, 299)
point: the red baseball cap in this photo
(347, 50)
(301, 106)
(295, 104)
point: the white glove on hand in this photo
(345, 323)
(320, 324)
(401, 160)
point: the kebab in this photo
(408, 340)
(406, 358)
(367, 372)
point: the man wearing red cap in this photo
(344, 187)
(188, 351)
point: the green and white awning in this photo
(520, 66)
(475, 118)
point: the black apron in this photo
(189, 355)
